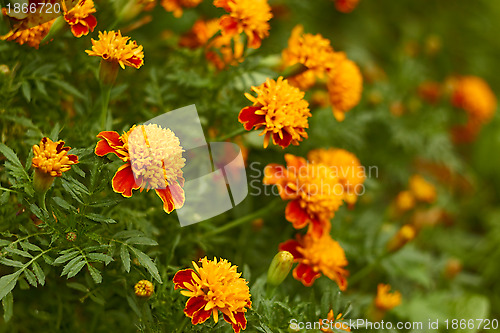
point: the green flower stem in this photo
(239, 131)
(105, 94)
(260, 213)
(42, 200)
(294, 70)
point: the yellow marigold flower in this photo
(312, 51)
(345, 85)
(334, 322)
(401, 238)
(211, 287)
(50, 159)
(421, 189)
(346, 6)
(386, 300)
(475, 96)
(31, 36)
(345, 166)
(176, 6)
(153, 160)
(314, 192)
(225, 50)
(144, 288)
(280, 109)
(317, 256)
(405, 201)
(113, 47)
(248, 16)
(80, 17)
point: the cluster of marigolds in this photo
(315, 187)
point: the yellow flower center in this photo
(51, 158)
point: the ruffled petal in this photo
(193, 305)
(200, 316)
(124, 181)
(248, 117)
(296, 215)
(182, 277)
(283, 142)
(317, 228)
(273, 174)
(110, 144)
(305, 274)
(291, 246)
(79, 29)
(173, 197)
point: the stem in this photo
(239, 131)
(105, 93)
(294, 70)
(260, 213)
(42, 200)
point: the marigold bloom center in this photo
(51, 157)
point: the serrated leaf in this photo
(125, 256)
(146, 261)
(8, 307)
(67, 268)
(76, 268)
(8, 282)
(100, 257)
(99, 218)
(96, 275)
(30, 277)
(4, 242)
(48, 259)
(64, 204)
(18, 252)
(128, 233)
(12, 263)
(77, 286)
(28, 246)
(54, 134)
(10, 155)
(40, 275)
(65, 257)
(141, 241)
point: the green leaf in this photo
(100, 257)
(125, 256)
(4, 242)
(99, 218)
(68, 88)
(26, 89)
(18, 252)
(54, 134)
(96, 275)
(40, 275)
(30, 277)
(76, 268)
(8, 282)
(10, 155)
(77, 286)
(12, 263)
(8, 307)
(133, 305)
(64, 204)
(65, 257)
(4, 198)
(69, 266)
(146, 261)
(141, 241)
(128, 233)
(28, 246)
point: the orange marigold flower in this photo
(153, 160)
(346, 6)
(280, 109)
(345, 85)
(225, 50)
(386, 300)
(468, 132)
(475, 96)
(31, 36)
(334, 322)
(200, 33)
(317, 256)
(405, 201)
(421, 189)
(314, 191)
(113, 47)
(401, 238)
(248, 16)
(80, 17)
(346, 167)
(211, 287)
(176, 6)
(144, 288)
(312, 51)
(430, 91)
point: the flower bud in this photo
(70, 236)
(42, 181)
(403, 236)
(144, 288)
(108, 71)
(279, 268)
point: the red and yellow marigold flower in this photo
(280, 109)
(80, 17)
(317, 256)
(248, 16)
(346, 6)
(386, 300)
(153, 160)
(421, 189)
(211, 287)
(346, 167)
(475, 96)
(176, 6)
(313, 189)
(50, 159)
(31, 36)
(334, 322)
(312, 51)
(115, 48)
(345, 85)
(144, 288)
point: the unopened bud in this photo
(71, 237)
(279, 268)
(403, 236)
(144, 288)
(42, 181)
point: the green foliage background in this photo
(54, 91)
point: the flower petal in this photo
(109, 144)
(296, 214)
(193, 305)
(305, 274)
(124, 181)
(182, 277)
(291, 246)
(172, 197)
(283, 142)
(248, 117)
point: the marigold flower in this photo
(317, 256)
(113, 47)
(346, 6)
(176, 6)
(430, 91)
(314, 191)
(346, 167)
(144, 288)
(280, 109)
(31, 36)
(405, 201)
(401, 238)
(468, 132)
(200, 33)
(345, 85)
(475, 96)
(248, 16)
(386, 300)
(211, 287)
(153, 160)
(421, 189)
(312, 51)
(225, 50)
(334, 322)
(71, 236)
(80, 17)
